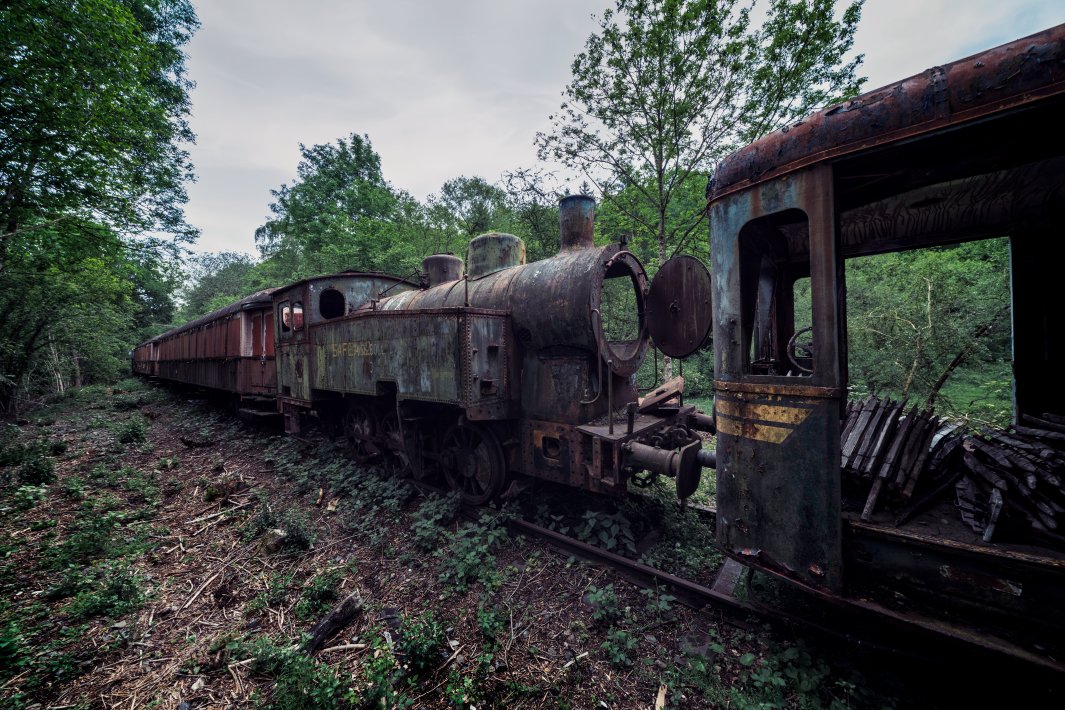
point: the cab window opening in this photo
(285, 317)
(776, 305)
(297, 316)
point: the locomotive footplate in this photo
(661, 443)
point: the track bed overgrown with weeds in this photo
(158, 552)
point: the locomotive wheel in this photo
(473, 463)
(360, 428)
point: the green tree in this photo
(215, 280)
(75, 296)
(93, 115)
(667, 87)
(532, 198)
(929, 325)
(469, 206)
(339, 206)
(93, 119)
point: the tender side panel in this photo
(422, 353)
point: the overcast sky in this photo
(452, 87)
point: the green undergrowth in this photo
(82, 533)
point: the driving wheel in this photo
(360, 428)
(473, 462)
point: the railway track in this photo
(881, 640)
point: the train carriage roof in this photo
(259, 299)
(1001, 80)
(968, 150)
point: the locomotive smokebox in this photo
(441, 268)
(577, 219)
(494, 252)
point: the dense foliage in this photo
(93, 123)
(667, 87)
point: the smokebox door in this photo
(679, 310)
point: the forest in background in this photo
(93, 163)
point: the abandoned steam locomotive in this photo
(509, 368)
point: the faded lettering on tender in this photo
(355, 349)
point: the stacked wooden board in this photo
(910, 459)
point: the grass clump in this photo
(468, 555)
(133, 430)
(110, 589)
(319, 595)
(421, 641)
(36, 470)
(430, 518)
(299, 681)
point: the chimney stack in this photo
(576, 214)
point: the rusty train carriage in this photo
(231, 349)
(966, 151)
(512, 367)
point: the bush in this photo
(420, 643)
(468, 555)
(132, 431)
(27, 497)
(37, 471)
(434, 513)
(299, 681)
(112, 589)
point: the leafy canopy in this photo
(93, 119)
(666, 87)
(93, 115)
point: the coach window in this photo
(285, 318)
(775, 300)
(297, 316)
(331, 303)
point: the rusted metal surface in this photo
(778, 479)
(966, 151)
(441, 268)
(679, 308)
(219, 350)
(551, 302)
(494, 252)
(1011, 595)
(577, 222)
(1005, 78)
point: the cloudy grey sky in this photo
(451, 87)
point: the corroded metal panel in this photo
(487, 373)
(679, 307)
(423, 355)
(778, 451)
(1007, 77)
(494, 252)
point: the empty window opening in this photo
(331, 303)
(775, 286)
(285, 311)
(932, 327)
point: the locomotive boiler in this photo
(507, 368)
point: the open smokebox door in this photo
(679, 311)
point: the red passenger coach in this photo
(231, 349)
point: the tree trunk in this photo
(667, 362)
(962, 356)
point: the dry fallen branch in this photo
(338, 618)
